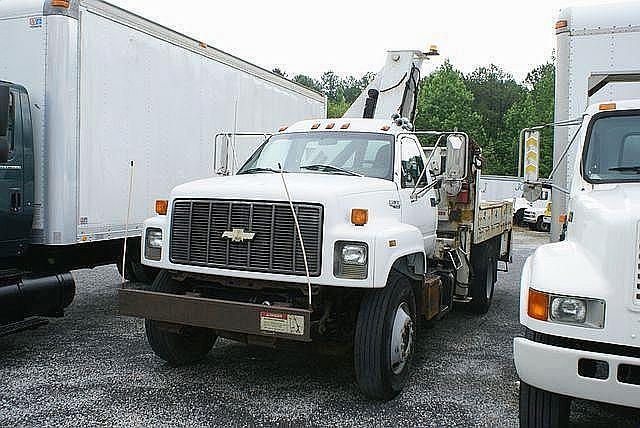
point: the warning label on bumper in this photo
(282, 323)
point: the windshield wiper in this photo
(252, 170)
(635, 168)
(318, 167)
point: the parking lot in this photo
(95, 368)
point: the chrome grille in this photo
(197, 227)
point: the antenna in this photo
(126, 224)
(295, 219)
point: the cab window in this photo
(412, 164)
(7, 144)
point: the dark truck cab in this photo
(24, 293)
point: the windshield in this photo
(346, 153)
(612, 153)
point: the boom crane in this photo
(395, 88)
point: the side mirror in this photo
(456, 166)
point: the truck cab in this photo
(538, 214)
(580, 298)
(16, 171)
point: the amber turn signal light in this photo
(162, 205)
(562, 24)
(538, 306)
(359, 216)
(60, 3)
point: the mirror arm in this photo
(424, 190)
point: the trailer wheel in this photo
(484, 263)
(177, 344)
(384, 338)
(542, 409)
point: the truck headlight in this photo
(153, 244)
(578, 311)
(351, 260)
(568, 309)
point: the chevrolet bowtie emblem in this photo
(238, 235)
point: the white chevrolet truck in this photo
(342, 233)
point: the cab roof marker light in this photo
(563, 23)
(607, 106)
(315, 126)
(331, 125)
(282, 129)
(60, 3)
(385, 128)
(345, 125)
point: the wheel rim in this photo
(401, 338)
(490, 280)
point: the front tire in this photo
(384, 339)
(542, 409)
(177, 344)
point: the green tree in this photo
(308, 82)
(445, 103)
(494, 92)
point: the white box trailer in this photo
(590, 40)
(107, 87)
(500, 187)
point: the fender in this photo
(563, 268)
(407, 239)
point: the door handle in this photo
(16, 200)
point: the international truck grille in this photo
(246, 235)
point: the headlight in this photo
(568, 309)
(153, 245)
(354, 254)
(579, 311)
(351, 260)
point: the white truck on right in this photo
(580, 297)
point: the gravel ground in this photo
(95, 368)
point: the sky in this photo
(350, 37)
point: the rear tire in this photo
(177, 344)
(484, 264)
(385, 339)
(543, 409)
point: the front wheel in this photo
(175, 343)
(542, 409)
(384, 338)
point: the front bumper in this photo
(555, 369)
(220, 315)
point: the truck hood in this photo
(605, 227)
(303, 187)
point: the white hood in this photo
(304, 187)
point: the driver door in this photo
(13, 232)
(420, 212)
